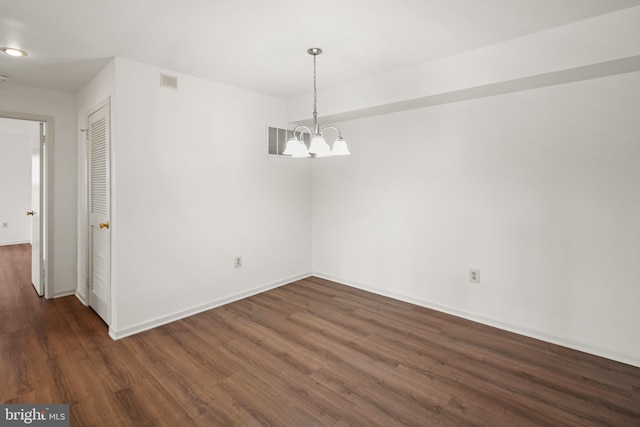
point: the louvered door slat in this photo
(98, 140)
(99, 271)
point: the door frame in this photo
(46, 184)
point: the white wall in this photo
(62, 107)
(16, 141)
(537, 189)
(193, 188)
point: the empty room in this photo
(338, 213)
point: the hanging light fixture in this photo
(318, 146)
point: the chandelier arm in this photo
(304, 128)
(334, 128)
(295, 129)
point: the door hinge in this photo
(43, 133)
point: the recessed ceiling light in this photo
(13, 51)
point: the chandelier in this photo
(318, 146)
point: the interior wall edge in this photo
(629, 359)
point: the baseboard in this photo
(163, 320)
(64, 293)
(82, 299)
(629, 359)
(15, 243)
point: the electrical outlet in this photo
(474, 276)
(5, 225)
(237, 261)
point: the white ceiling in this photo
(261, 44)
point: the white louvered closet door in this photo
(99, 213)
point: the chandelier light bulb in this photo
(319, 147)
(340, 148)
(292, 145)
(300, 151)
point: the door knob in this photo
(104, 224)
(30, 213)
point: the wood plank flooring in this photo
(312, 353)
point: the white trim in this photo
(64, 293)
(15, 243)
(163, 320)
(618, 356)
(81, 299)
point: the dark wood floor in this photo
(312, 353)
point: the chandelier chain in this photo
(315, 89)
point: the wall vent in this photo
(168, 81)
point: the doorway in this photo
(28, 137)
